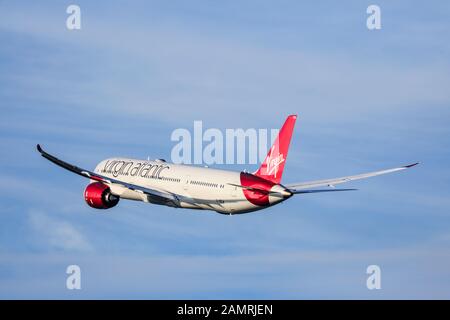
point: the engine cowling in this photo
(98, 195)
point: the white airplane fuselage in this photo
(194, 187)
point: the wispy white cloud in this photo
(57, 233)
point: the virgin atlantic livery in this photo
(191, 187)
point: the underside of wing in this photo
(94, 176)
(297, 187)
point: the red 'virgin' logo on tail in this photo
(273, 162)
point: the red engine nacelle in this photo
(98, 195)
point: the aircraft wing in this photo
(95, 176)
(302, 186)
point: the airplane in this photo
(192, 187)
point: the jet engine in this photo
(98, 195)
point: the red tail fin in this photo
(272, 167)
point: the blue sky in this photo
(366, 100)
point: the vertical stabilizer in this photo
(272, 167)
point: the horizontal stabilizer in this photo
(334, 181)
(319, 190)
(254, 189)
